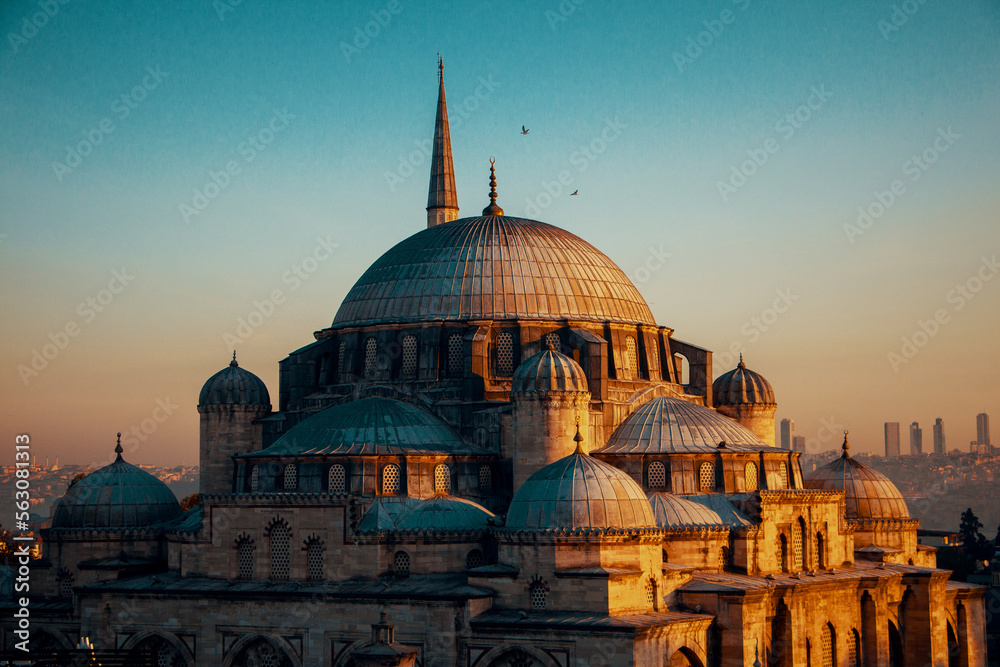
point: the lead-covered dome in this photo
(234, 386)
(548, 371)
(675, 512)
(742, 386)
(868, 494)
(493, 267)
(445, 513)
(119, 495)
(579, 492)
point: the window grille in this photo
(853, 649)
(280, 543)
(829, 649)
(291, 477)
(631, 357)
(341, 351)
(442, 478)
(409, 356)
(336, 479)
(390, 479)
(254, 478)
(245, 557)
(706, 476)
(657, 475)
(455, 355)
(166, 654)
(783, 472)
(538, 595)
(505, 355)
(750, 475)
(650, 592)
(401, 563)
(66, 585)
(371, 356)
(553, 340)
(485, 479)
(474, 559)
(723, 558)
(798, 550)
(314, 560)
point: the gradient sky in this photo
(347, 120)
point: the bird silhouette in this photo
(575, 192)
(524, 130)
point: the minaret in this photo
(442, 199)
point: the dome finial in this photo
(549, 345)
(741, 364)
(118, 448)
(578, 439)
(233, 362)
(493, 209)
(845, 446)
(440, 68)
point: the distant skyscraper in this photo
(798, 443)
(891, 439)
(983, 428)
(787, 433)
(939, 447)
(916, 439)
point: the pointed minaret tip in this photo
(442, 198)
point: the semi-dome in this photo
(446, 513)
(119, 495)
(675, 512)
(234, 386)
(495, 268)
(667, 425)
(742, 386)
(579, 492)
(373, 426)
(548, 371)
(868, 494)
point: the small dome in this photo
(869, 495)
(675, 512)
(579, 492)
(118, 495)
(446, 513)
(667, 425)
(234, 386)
(548, 371)
(741, 386)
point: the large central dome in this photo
(493, 267)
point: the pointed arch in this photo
(168, 650)
(253, 650)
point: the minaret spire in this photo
(442, 199)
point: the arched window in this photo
(798, 544)
(291, 477)
(261, 652)
(706, 476)
(165, 653)
(631, 358)
(538, 595)
(390, 480)
(314, 560)
(442, 478)
(783, 553)
(371, 356)
(341, 351)
(783, 473)
(750, 475)
(409, 356)
(65, 584)
(279, 540)
(474, 559)
(505, 355)
(820, 552)
(650, 592)
(553, 340)
(854, 649)
(336, 479)
(723, 558)
(455, 360)
(254, 478)
(485, 479)
(829, 646)
(656, 475)
(401, 563)
(244, 551)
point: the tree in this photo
(79, 476)
(974, 543)
(189, 502)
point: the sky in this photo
(812, 184)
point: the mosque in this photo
(495, 457)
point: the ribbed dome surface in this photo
(548, 371)
(234, 386)
(579, 492)
(493, 267)
(448, 513)
(741, 386)
(869, 495)
(369, 427)
(675, 512)
(119, 495)
(672, 425)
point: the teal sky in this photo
(174, 94)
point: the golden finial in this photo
(578, 439)
(118, 447)
(845, 446)
(742, 365)
(493, 209)
(233, 362)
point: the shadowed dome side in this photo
(493, 267)
(548, 371)
(667, 425)
(447, 513)
(741, 386)
(369, 427)
(675, 512)
(234, 386)
(868, 494)
(119, 495)
(579, 492)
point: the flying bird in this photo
(575, 192)
(524, 130)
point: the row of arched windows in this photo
(798, 556)
(392, 479)
(656, 476)
(401, 562)
(279, 550)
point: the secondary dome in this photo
(447, 513)
(493, 267)
(368, 427)
(740, 386)
(234, 386)
(667, 425)
(118, 495)
(868, 494)
(548, 371)
(675, 512)
(579, 492)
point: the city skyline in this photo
(168, 205)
